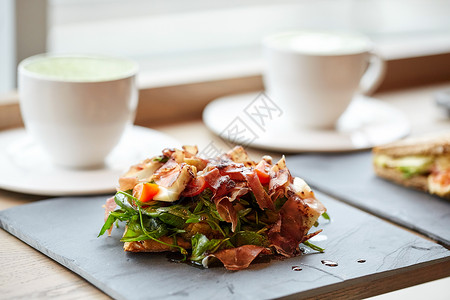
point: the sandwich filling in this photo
(228, 209)
(436, 170)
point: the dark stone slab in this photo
(350, 178)
(66, 230)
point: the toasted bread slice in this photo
(183, 240)
(417, 182)
(154, 246)
(430, 145)
(416, 162)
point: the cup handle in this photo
(374, 74)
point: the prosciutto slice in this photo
(295, 220)
(227, 212)
(238, 258)
(262, 198)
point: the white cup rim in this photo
(272, 42)
(22, 70)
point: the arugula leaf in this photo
(215, 226)
(198, 207)
(244, 202)
(194, 219)
(202, 246)
(108, 223)
(176, 210)
(326, 216)
(172, 220)
(148, 234)
(312, 246)
(134, 232)
(211, 209)
(122, 199)
(241, 238)
(244, 212)
(161, 158)
(174, 215)
(206, 195)
(123, 213)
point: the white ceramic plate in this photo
(25, 168)
(256, 121)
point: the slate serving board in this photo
(350, 177)
(65, 229)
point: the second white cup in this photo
(77, 107)
(314, 75)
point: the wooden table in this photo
(27, 273)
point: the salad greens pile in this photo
(229, 208)
(151, 222)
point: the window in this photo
(180, 41)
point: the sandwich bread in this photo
(422, 163)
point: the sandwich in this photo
(225, 210)
(422, 163)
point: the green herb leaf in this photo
(172, 220)
(153, 227)
(161, 158)
(205, 198)
(244, 202)
(182, 250)
(194, 219)
(312, 246)
(123, 213)
(174, 215)
(248, 238)
(122, 199)
(202, 246)
(326, 216)
(198, 207)
(244, 212)
(108, 223)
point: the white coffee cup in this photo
(77, 106)
(313, 75)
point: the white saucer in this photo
(25, 168)
(366, 123)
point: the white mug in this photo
(76, 106)
(313, 75)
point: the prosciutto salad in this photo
(227, 209)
